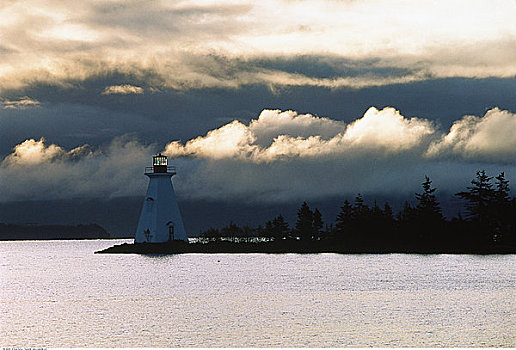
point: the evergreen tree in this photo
(428, 218)
(317, 224)
(502, 209)
(362, 228)
(387, 212)
(478, 198)
(502, 191)
(428, 208)
(280, 228)
(269, 230)
(344, 219)
(388, 224)
(212, 234)
(360, 209)
(304, 224)
(374, 228)
(231, 231)
(406, 224)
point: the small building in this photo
(160, 218)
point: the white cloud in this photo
(231, 140)
(489, 138)
(276, 135)
(387, 129)
(32, 152)
(125, 89)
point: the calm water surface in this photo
(60, 294)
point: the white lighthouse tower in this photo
(160, 219)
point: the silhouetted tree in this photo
(491, 218)
(344, 220)
(269, 230)
(212, 234)
(406, 224)
(479, 197)
(428, 208)
(387, 212)
(304, 224)
(428, 216)
(361, 220)
(260, 231)
(247, 233)
(280, 228)
(480, 206)
(231, 231)
(360, 209)
(317, 224)
(378, 226)
(503, 210)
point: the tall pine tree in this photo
(304, 223)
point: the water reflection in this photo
(60, 294)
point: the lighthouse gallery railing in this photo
(150, 169)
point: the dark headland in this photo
(489, 228)
(294, 247)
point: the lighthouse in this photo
(160, 219)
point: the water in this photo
(60, 294)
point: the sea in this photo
(61, 294)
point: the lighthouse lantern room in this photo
(160, 218)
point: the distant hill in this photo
(10, 232)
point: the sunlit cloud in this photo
(22, 103)
(280, 155)
(193, 44)
(276, 135)
(125, 89)
(37, 170)
(489, 138)
(32, 152)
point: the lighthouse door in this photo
(170, 231)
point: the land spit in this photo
(292, 246)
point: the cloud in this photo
(21, 103)
(35, 170)
(279, 156)
(276, 135)
(490, 138)
(32, 152)
(125, 89)
(185, 45)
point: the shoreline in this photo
(291, 247)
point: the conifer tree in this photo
(280, 228)
(304, 224)
(502, 191)
(317, 223)
(479, 197)
(344, 218)
(428, 219)
(387, 212)
(360, 209)
(428, 208)
(502, 209)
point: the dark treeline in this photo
(489, 221)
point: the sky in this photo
(259, 102)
